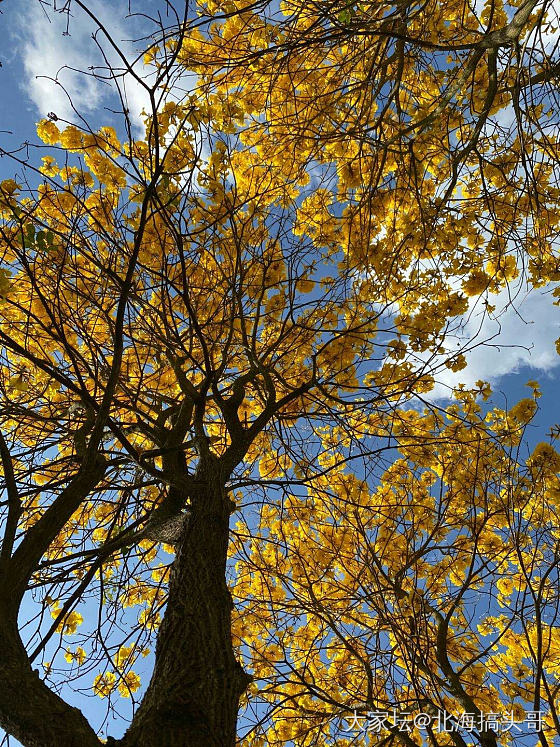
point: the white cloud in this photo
(53, 61)
(549, 36)
(519, 333)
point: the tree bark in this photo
(29, 710)
(193, 696)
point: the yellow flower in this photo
(123, 655)
(70, 623)
(104, 684)
(545, 458)
(150, 619)
(49, 167)
(524, 410)
(535, 387)
(9, 186)
(74, 139)
(129, 684)
(48, 132)
(457, 363)
(505, 585)
(79, 655)
(476, 283)
(107, 139)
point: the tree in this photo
(228, 328)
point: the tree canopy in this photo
(220, 459)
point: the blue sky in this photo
(34, 53)
(41, 64)
(520, 339)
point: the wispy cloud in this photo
(55, 63)
(520, 332)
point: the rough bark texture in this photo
(193, 696)
(30, 711)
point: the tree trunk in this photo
(29, 710)
(193, 697)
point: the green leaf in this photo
(41, 240)
(29, 236)
(345, 16)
